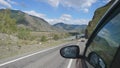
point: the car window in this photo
(107, 40)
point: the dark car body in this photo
(103, 47)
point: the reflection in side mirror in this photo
(96, 60)
(70, 51)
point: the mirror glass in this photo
(70, 51)
(96, 60)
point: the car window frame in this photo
(111, 13)
(115, 61)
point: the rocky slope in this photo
(97, 16)
(31, 22)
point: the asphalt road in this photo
(49, 58)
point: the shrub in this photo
(43, 38)
(55, 37)
(23, 34)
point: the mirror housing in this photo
(70, 51)
(96, 61)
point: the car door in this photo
(105, 40)
(103, 47)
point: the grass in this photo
(22, 47)
(12, 45)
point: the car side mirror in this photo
(96, 61)
(70, 51)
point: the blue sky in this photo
(54, 11)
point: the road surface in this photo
(49, 58)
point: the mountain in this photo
(30, 22)
(97, 16)
(70, 27)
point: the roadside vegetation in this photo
(16, 40)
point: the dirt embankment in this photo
(11, 45)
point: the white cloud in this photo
(72, 21)
(66, 18)
(6, 3)
(53, 21)
(34, 13)
(11, 2)
(78, 4)
(53, 3)
(86, 10)
(106, 1)
(75, 4)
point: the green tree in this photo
(7, 24)
(23, 34)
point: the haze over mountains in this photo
(38, 24)
(70, 27)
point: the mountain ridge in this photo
(34, 23)
(30, 22)
(70, 27)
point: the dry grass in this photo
(25, 46)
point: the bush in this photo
(7, 24)
(55, 37)
(43, 38)
(23, 34)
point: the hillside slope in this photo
(30, 22)
(70, 27)
(97, 16)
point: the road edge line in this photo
(70, 63)
(11, 61)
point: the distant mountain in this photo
(70, 27)
(31, 22)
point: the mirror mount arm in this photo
(82, 57)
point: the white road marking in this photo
(27, 56)
(70, 63)
(77, 43)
